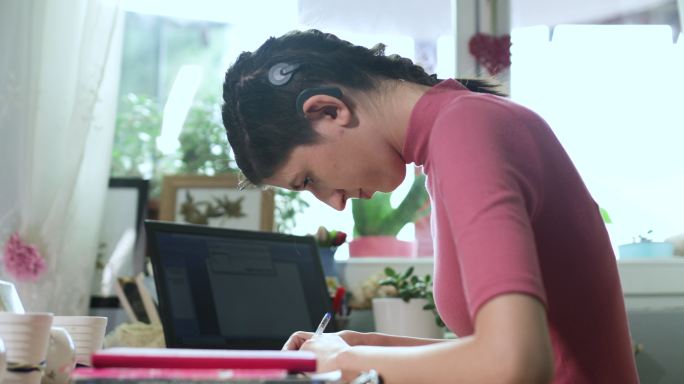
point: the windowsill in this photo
(652, 276)
(641, 279)
(390, 260)
(677, 260)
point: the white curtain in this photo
(56, 136)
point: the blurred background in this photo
(132, 89)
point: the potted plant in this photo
(644, 247)
(407, 308)
(377, 223)
(327, 242)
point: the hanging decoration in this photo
(492, 52)
(21, 260)
(489, 50)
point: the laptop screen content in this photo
(236, 289)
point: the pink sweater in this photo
(510, 213)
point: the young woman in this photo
(524, 270)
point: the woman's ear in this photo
(322, 106)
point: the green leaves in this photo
(431, 306)
(605, 216)
(390, 272)
(376, 217)
(204, 145)
(407, 273)
(204, 150)
(288, 204)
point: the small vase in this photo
(327, 256)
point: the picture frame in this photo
(216, 201)
(136, 300)
(121, 245)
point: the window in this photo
(175, 55)
(612, 94)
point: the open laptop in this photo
(235, 289)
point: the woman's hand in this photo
(349, 337)
(326, 347)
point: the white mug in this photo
(87, 333)
(26, 337)
(61, 357)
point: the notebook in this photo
(198, 359)
(234, 289)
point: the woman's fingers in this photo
(296, 340)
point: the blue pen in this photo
(322, 325)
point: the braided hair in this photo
(262, 124)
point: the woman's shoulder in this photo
(485, 128)
(482, 115)
(484, 108)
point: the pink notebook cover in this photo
(293, 361)
(176, 374)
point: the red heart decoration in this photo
(492, 52)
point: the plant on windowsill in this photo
(643, 246)
(327, 242)
(377, 223)
(404, 305)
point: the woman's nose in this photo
(332, 197)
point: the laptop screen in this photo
(221, 288)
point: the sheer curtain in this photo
(56, 140)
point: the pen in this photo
(322, 325)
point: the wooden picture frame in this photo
(216, 201)
(136, 300)
(121, 242)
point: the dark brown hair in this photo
(262, 123)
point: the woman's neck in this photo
(394, 110)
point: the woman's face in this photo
(346, 163)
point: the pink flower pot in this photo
(381, 246)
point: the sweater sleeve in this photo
(486, 172)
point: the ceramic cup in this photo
(61, 357)
(26, 338)
(87, 333)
